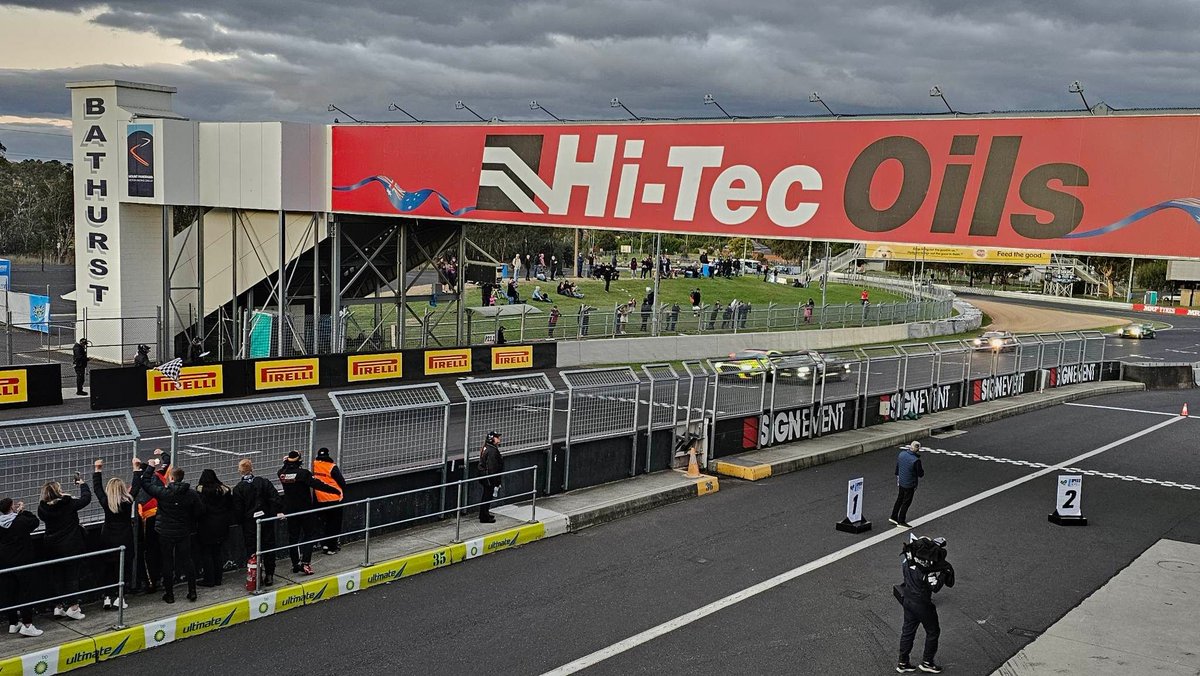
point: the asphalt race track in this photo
(537, 608)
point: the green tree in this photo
(1151, 275)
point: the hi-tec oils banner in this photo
(1119, 185)
(956, 254)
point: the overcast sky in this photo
(270, 60)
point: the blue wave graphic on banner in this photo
(404, 200)
(1189, 205)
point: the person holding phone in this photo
(117, 531)
(64, 537)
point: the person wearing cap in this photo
(143, 357)
(491, 465)
(326, 471)
(298, 487)
(908, 473)
(79, 359)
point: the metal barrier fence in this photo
(218, 435)
(698, 376)
(520, 407)
(369, 525)
(793, 381)
(119, 585)
(36, 451)
(739, 387)
(885, 369)
(844, 373)
(920, 366)
(389, 430)
(664, 401)
(601, 403)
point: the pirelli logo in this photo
(14, 386)
(281, 373)
(504, 358)
(194, 381)
(361, 367)
(447, 361)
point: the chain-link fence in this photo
(793, 381)
(884, 370)
(844, 372)
(697, 388)
(519, 407)
(601, 403)
(739, 387)
(389, 430)
(664, 411)
(37, 451)
(218, 435)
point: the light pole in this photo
(333, 108)
(710, 101)
(459, 105)
(816, 98)
(936, 92)
(393, 107)
(534, 105)
(1077, 88)
(616, 103)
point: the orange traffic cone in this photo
(1184, 412)
(693, 471)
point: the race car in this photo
(1136, 331)
(996, 341)
(832, 368)
(745, 363)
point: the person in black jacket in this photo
(925, 572)
(255, 497)
(79, 359)
(143, 357)
(16, 549)
(117, 503)
(298, 486)
(179, 509)
(64, 537)
(491, 463)
(149, 551)
(214, 525)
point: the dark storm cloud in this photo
(289, 60)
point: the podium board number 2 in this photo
(1070, 490)
(854, 496)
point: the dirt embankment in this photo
(1028, 319)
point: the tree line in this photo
(37, 217)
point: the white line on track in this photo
(1118, 408)
(766, 585)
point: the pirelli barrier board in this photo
(125, 387)
(25, 386)
(737, 435)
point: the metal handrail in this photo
(120, 583)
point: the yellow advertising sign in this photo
(194, 381)
(957, 254)
(360, 367)
(517, 357)
(447, 361)
(279, 373)
(14, 386)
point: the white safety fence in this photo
(389, 430)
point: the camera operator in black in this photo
(925, 572)
(79, 359)
(143, 357)
(491, 463)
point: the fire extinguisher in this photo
(252, 574)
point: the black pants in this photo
(14, 589)
(79, 371)
(904, 498)
(486, 494)
(149, 555)
(213, 562)
(331, 528)
(112, 564)
(924, 614)
(302, 528)
(177, 554)
(249, 542)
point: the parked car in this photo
(996, 341)
(1136, 331)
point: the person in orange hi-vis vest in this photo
(148, 571)
(326, 471)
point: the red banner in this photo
(1117, 185)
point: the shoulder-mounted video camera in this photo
(929, 556)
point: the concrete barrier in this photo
(1160, 376)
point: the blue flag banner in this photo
(1188, 205)
(404, 200)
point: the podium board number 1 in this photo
(854, 496)
(1070, 493)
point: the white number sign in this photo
(854, 499)
(1070, 493)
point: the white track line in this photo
(1118, 408)
(766, 585)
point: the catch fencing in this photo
(389, 430)
(601, 403)
(218, 435)
(37, 451)
(664, 402)
(520, 408)
(739, 387)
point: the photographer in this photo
(925, 572)
(491, 463)
(79, 359)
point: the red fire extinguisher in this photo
(252, 574)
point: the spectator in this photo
(673, 317)
(513, 296)
(254, 497)
(694, 296)
(528, 267)
(327, 472)
(553, 267)
(712, 317)
(79, 359)
(808, 311)
(298, 486)
(149, 554)
(64, 537)
(539, 295)
(179, 511)
(584, 312)
(516, 266)
(864, 297)
(608, 275)
(143, 357)
(213, 528)
(633, 267)
(117, 504)
(645, 311)
(554, 315)
(491, 464)
(500, 340)
(16, 549)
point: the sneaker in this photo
(29, 630)
(904, 524)
(14, 628)
(59, 611)
(169, 597)
(268, 580)
(930, 668)
(191, 597)
(108, 604)
(75, 613)
(894, 522)
(905, 668)
(306, 569)
(117, 603)
(329, 552)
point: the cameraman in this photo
(79, 359)
(925, 572)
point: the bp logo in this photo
(263, 607)
(41, 667)
(474, 550)
(350, 585)
(160, 635)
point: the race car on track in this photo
(996, 341)
(832, 368)
(746, 362)
(1136, 331)
(805, 365)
